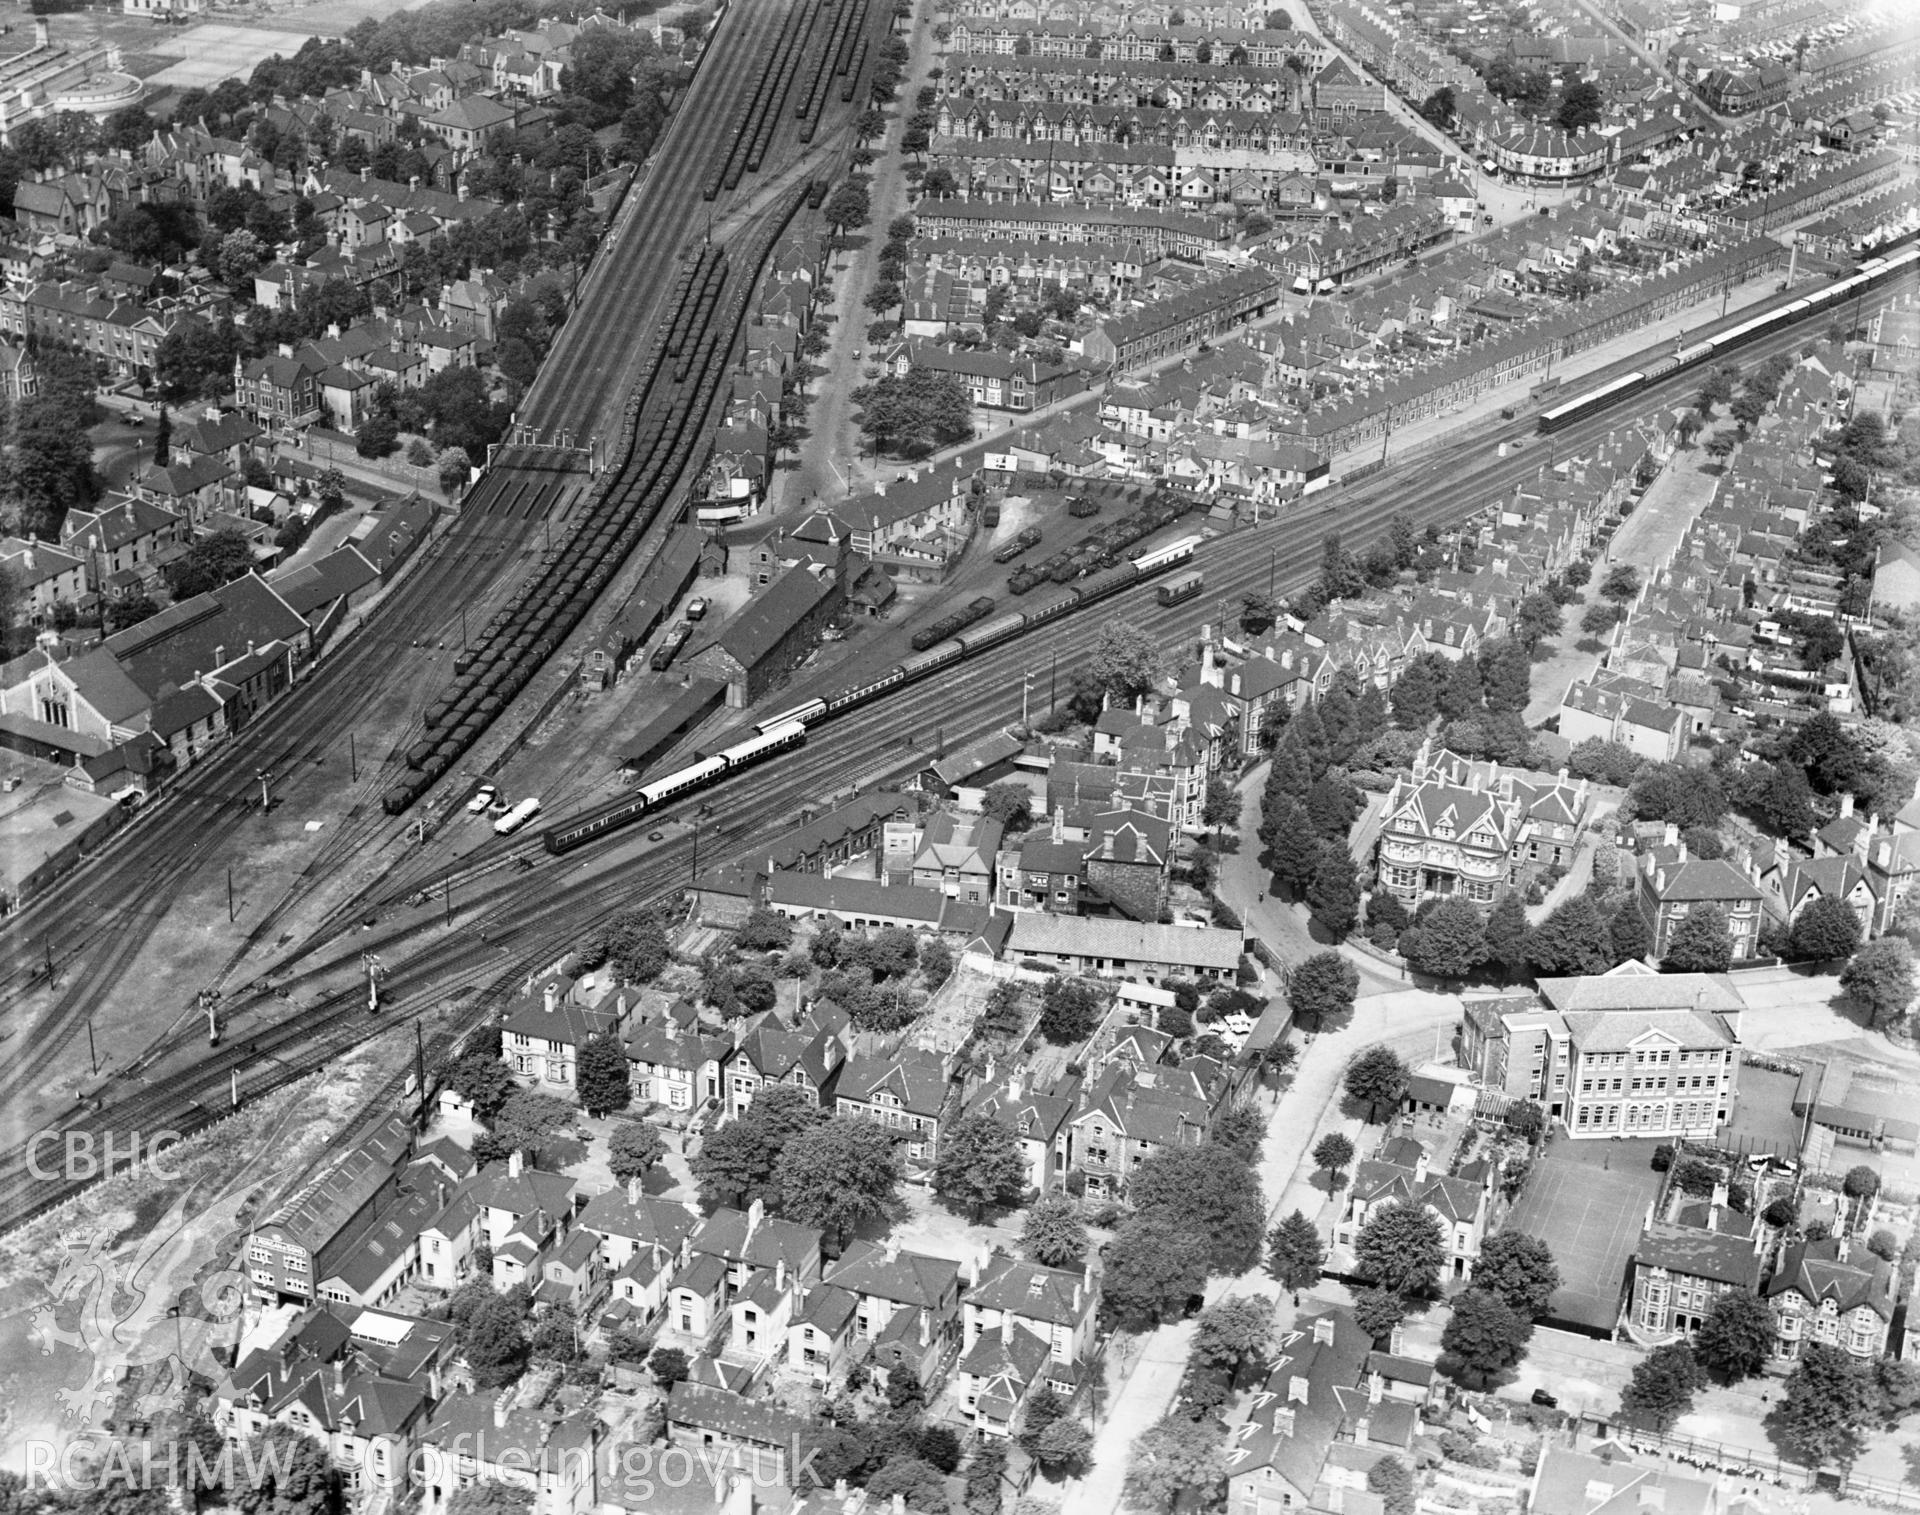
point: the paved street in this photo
(834, 443)
(1647, 540)
(1143, 1373)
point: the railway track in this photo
(160, 857)
(534, 924)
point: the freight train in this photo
(789, 728)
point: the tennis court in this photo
(1587, 1201)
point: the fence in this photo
(1736, 1461)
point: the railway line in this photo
(524, 925)
(97, 921)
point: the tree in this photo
(1332, 805)
(1484, 1336)
(241, 252)
(1506, 671)
(1341, 577)
(1415, 698)
(1222, 805)
(1333, 898)
(1678, 793)
(454, 468)
(1536, 619)
(1581, 106)
(494, 1342)
(669, 1366)
(1378, 1311)
(1069, 1010)
(482, 1079)
(1126, 661)
(634, 1149)
(1629, 932)
(637, 946)
(1879, 979)
(936, 962)
(1861, 1182)
(210, 562)
(1176, 1455)
(1662, 1387)
(1332, 1153)
(1701, 943)
(1621, 584)
(737, 1163)
(1831, 1399)
(1450, 942)
(1009, 803)
(1401, 1248)
(1211, 1195)
(1055, 1233)
(1439, 106)
(1506, 933)
(1240, 1125)
(1526, 1120)
(1294, 1254)
(1236, 1335)
(162, 439)
(1826, 929)
(1294, 852)
(284, 1471)
(525, 1121)
(1519, 1270)
(1377, 1078)
(1600, 619)
(1391, 1478)
(1574, 939)
(1778, 795)
(1321, 989)
(1153, 1267)
(838, 1174)
(850, 204)
(605, 1078)
(1461, 693)
(489, 1498)
(979, 1164)
(918, 411)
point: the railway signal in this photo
(376, 970)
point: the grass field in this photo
(1587, 1201)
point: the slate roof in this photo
(1813, 1270)
(906, 1278)
(1699, 1253)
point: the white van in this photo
(517, 817)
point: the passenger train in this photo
(789, 728)
(1874, 271)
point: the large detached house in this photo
(1825, 1292)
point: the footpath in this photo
(1142, 1371)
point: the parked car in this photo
(1545, 1400)
(482, 797)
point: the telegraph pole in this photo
(93, 1057)
(266, 794)
(229, 896)
(353, 760)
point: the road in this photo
(98, 924)
(114, 910)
